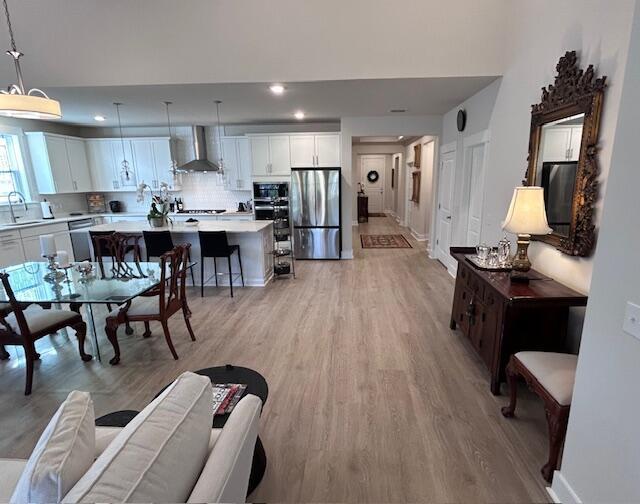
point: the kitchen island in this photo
(255, 239)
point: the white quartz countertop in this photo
(134, 227)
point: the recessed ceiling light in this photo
(299, 115)
(400, 137)
(99, 118)
(277, 89)
(398, 110)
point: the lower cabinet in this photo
(11, 251)
(31, 240)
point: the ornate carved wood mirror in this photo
(562, 154)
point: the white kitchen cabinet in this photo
(279, 155)
(31, 239)
(79, 165)
(11, 251)
(315, 150)
(303, 151)
(327, 151)
(152, 161)
(260, 155)
(562, 143)
(102, 165)
(127, 181)
(237, 163)
(59, 163)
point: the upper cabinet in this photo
(270, 156)
(319, 150)
(59, 162)
(562, 143)
(236, 154)
(152, 160)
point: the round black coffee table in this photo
(256, 385)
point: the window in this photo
(12, 175)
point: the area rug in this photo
(384, 241)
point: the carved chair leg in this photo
(557, 420)
(128, 329)
(147, 330)
(112, 335)
(75, 307)
(81, 333)
(167, 336)
(512, 380)
(187, 314)
(4, 355)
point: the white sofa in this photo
(223, 477)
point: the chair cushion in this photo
(556, 372)
(159, 455)
(141, 306)
(39, 319)
(10, 472)
(64, 452)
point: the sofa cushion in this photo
(158, 456)
(64, 452)
(10, 472)
(556, 372)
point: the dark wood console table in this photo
(363, 208)
(501, 318)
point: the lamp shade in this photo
(26, 106)
(527, 214)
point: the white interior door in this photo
(476, 160)
(446, 177)
(373, 189)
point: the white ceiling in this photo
(254, 103)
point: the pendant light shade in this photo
(17, 101)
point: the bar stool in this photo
(158, 243)
(215, 244)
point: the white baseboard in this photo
(418, 236)
(354, 222)
(562, 491)
(346, 254)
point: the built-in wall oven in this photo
(271, 201)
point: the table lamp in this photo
(526, 216)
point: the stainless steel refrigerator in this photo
(315, 213)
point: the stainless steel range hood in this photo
(200, 163)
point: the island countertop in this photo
(136, 227)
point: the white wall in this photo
(602, 449)
(373, 126)
(420, 214)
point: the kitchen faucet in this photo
(21, 199)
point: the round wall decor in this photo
(461, 119)
(373, 176)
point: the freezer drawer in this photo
(316, 243)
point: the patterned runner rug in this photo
(384, 241)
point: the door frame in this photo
(481, 138)
(447, 260)
(382, 175)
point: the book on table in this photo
(226, 396)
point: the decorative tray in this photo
(484, 265)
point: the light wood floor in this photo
(372, 397)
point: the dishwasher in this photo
(80, 238)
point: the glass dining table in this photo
(114, 287)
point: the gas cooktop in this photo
(201, 211)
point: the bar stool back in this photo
(158, 243)
(215, 244)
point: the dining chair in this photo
(158, 304)
(22, 325)
(115, 247)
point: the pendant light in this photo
(221, 171)
(16, 101)
(173, 166)
(125, 169)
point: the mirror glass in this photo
(556, 170)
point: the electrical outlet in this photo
(631, 324)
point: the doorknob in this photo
(448, 217)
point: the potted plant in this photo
(158, 215)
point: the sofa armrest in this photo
(104, 436)
(225, 476)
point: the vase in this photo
(157, 221)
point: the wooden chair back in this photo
(15, 308)
(173, 278)
(115, 247)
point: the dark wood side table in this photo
(501, 318)
(363, 208)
